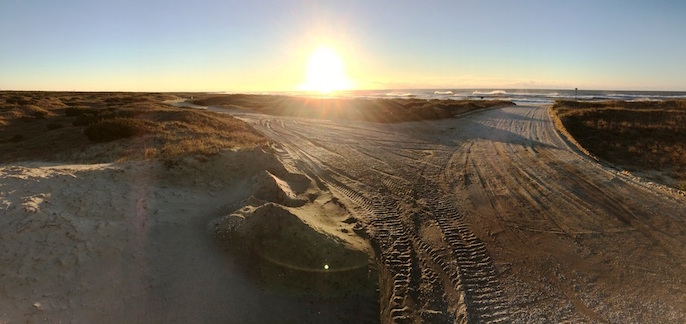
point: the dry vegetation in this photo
(106, 127)
(374, 110)
(636, 136)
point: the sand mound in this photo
(269, 187)
(289, 222)
(293, 236)
(225, 167)
(279, 236)
(299, 251)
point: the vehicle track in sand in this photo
(492, 217)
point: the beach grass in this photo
(644, 136)
(105, 127)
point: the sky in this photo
(254, 46)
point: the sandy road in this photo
(492, 217)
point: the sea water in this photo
(523, 96)
(519, 96)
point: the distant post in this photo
(576, 90)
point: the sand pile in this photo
(295, 236)
(269, 187)
(277, 234)
(130, 241)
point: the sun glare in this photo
(325, 72)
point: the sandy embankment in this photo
(135, 242)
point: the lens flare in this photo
(325, 72)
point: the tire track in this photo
(453, 281)
(469, 267)
(484, 299)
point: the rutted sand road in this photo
(492, 217)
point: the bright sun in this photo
(325, 72)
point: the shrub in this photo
(34, 112)
(17, 100)
(53, 126)
(116, 128)
(125, 113)
(86, 119)
(78, 111)
(90, 116)
(40, 114)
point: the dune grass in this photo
(106, 127)
(636, 136)
(372, 110)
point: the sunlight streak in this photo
(325, 72)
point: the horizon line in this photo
(333, 92)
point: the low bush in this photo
(18, 100)
(53, 126)
(95, 115)
(78, 111)
(40, 114)
(117, 128)
(86, 119)
(34, 112)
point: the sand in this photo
(139, 242)
(493, 217)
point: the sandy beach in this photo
(495, 217)
(135, 242)
(491, 215)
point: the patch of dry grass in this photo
(637, 136)
(56, 126)
(373, 110)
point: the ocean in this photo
(522, 96)
(518, 96)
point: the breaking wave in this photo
(490, 93)
(400, 94)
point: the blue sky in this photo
(264, 45)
